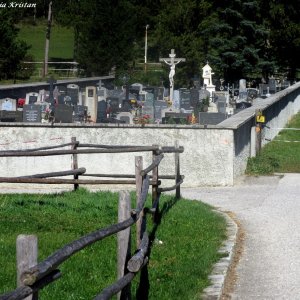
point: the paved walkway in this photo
(269, 211)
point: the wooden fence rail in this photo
(35, 277)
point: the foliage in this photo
(281, 155)
(12, 50)
(175, 272)
(240, 39)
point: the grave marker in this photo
(212, 118)
(32, 113)
(63, 113)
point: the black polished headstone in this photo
(32, 113)
(101, 111)
(63, 113)
(272, 85)
(11, 116)
(211, 118)
(194, 97)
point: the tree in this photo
(12, 50)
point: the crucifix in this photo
(172, 62)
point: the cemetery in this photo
(216, 121)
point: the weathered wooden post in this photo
(124, 242)
(155, 187)
(27, 254)
(177, 170)
(75, 160)
(139, 183)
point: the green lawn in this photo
(281, 155)
(61, 40)
(184, 249)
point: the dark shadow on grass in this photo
(144, 285)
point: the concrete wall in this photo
(215, 155)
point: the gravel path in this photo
(268, 209)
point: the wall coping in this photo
(245, 115)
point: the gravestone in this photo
(8, 104)
(285, 84)
(63, 113)
(263, 89)
(242, 91)
(176, 118)
(135, 90)
(160, 93)
(11, 116)
(176, 99)
(213, 118)
(125, 117)
(152, 90)
(102, 112)
(203, 94)
(169, 110)
(148, 106)
(73, 92)
(31, 98)
(79, 113)
(32, 113)
(91, 102)
(61, 99)
(185, 98)
(62, 90)
(158, 107)
(272, 85)
(221, 105)
(194, 97)
(101, 91)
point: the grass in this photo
(184, 249)
(282, 155)
(61, 40)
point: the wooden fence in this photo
(33, 276)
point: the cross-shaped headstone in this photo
(51, 81)
(172, 61)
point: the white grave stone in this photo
(91, 102)
(31, 98)
(8, 104)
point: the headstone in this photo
(221, 106)
(32, 113)
(91, 102)
(63, 113)
(176, 99)
(62, 90)
(79, 113)
(8, 104)
(31, 98)
(61, 99)
(211, 118)
(73, 91)
(203, 94)
(242, 91)
(160, 93)
(152, 90)
(263, 89)
(285, 84)
(158, 107)
(11, 116)
(194, 97)
(176, 118)
(148, 106)
(185, 98)
(101, 91)
(125, 117)
(135, 90)
(167, 110)
(102, 111)
(272, 85)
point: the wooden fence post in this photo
(74, 160)
(124, 241)
(177, 170)
(139, 182)
(27, 254)
(155, 186)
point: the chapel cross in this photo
(172, 62)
